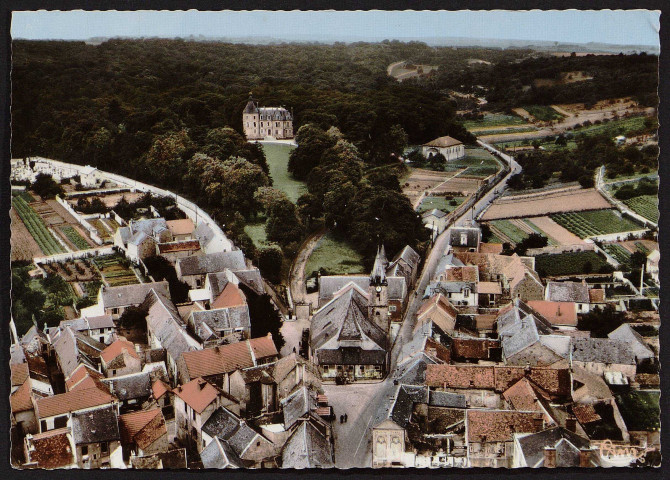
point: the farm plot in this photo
(492, 120)
(554, 231)
(446, 204)
(115, 270)
(543, 113)
(461, 185)
(23, 244)
(79, 270)
(477, 162)
(37, 228)
(645, 205)
(421, 181)
(508, 231)
(595, 222)
(617, 252)
(75, 238)
(570, 263)
(544, 203)
(335, 256)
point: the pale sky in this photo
(624, 27)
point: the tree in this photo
(165, 161)
(601, 321)
(312, 143)
(268, 196)
(586, 181)
(134, 317)
(45, 186)
(384, 179)
(270, 262)
(534, 240)
(266, 319)
(284, 225)
(160, 269)
(230, 185)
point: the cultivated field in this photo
(595, 222)
(36, 226)
(24, 246)
(421, 181)
(645, 205)
(547, 202)
(441, 203)
(115, 270)
(556, 232)
(569, 263)
(110, 200)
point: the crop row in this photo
(645, 205)
(595, 222)
(617, 252)
(35, 225)
(75, 238)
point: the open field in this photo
(257, 233)
(335, 256)
(277, 157)
(494, 120)
(565, 78)
(37, 227)
(115, 270)
(441, 203)
(544, 113)
(554, 231)
(404, 70)
(595, 222)
(569, 263)
(460, 186)
(645, 205)
(477, 163)
(421, 180)
(547, 202)
(110, 200)
(644, 246)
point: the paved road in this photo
(368, 404)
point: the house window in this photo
(84, 450)
(466, 292)
(579, 307)
(104, 447)
(43, 425)
(115, 311)
(193, 415)
(113, 372)
(60, 422)
(392, 308)
(102, 339)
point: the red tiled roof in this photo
(131, 423)
(597, 295)
(522, 396)
(72, 401)
(182, 226)
(472, 348)
(437, 350)
(585, 413)
(53, 449)
(20, 372)
(462, 274)
(227, 358)
(151, 432)
(437, 300)
(460, 376)
(485, 321)
(187, 245)
(489, 287)
(117, 348)
(197, 393)
(491, 248)
(231, 296)
(159, 388)
(80, 373)
(21, 399)
(500, 425)
(558, 313)
(553, 381)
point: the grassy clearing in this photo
(257, 232)
(277, 157)
(613, 128)
(543, 113)
(35, 225)
(645, 205)
(595, 222)
(335, 256)
(75, 238)
(441, 203)
(494, 120)
(570, 263)
(477, 161)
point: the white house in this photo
(451, 148)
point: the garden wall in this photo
(64, 257)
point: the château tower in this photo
(378, 306)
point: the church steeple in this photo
(378, 306)
(378, 274)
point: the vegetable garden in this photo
(74, 237)
(115, 270)
(595, 222)
(645, 205)
(35, 225)
(570, 263)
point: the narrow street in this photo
(367, 403)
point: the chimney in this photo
(584, 458)
(571, 424)
(538, 423)
(550, 457)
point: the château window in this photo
(392, 308)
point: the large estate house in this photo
(262, 122)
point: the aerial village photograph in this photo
(334, 239)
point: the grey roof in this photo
(223, 318)
(447, 287)
(218, 454)
(345, 317)
(329, 285)
(417, 343)
(626, 334)
(128, 387)
(567, 292)
(533, 445)
(251, 106)
(230, 428)
(307, 447)
(351, 356)
(89, 323)
(165, 323)
(212, 263)
(408, 255)
(17, 354)
(472, 235)
(602, 350)
(446, 399)
(125, 295)
(407, 396)
(378, 274)
(448, 260)
(252, 279)
(413, 371)
(297, 405)
(101, 425)
(138, 238)
(172, 459)
(70, 355)
(217, 282)
(148, 226)
(203, 233)
(520, 327)
(434, 212)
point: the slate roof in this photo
(73, 347)
(406, 397)
(442, 142)
(307, 447)
(446, 399)
(170, 460)
(252, 279)
(218, 454)
(472, 236)
(212, 262)
(435, 213)
(499, 425)
(93, 426)
(330, 285)
(90, 323)
(122, 296)
(230, 428)
(223, 318)
(602, 350)
(128, 387)
(72, 401)
(567, 292)
(53, 449)
(520, 327)
(627, 334)
(413, 371)
(533, 446)
(297, 405)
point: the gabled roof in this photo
(230, 428)
(212, 263)
(122, 296)
(132, 423)
(522, 396)
(307, 447)
(222, 318)
(218, 454)
(117, 348)
(297, 405)
(439, 302)
(602, 350)
(52, 449)
(500, 425)
(442, 142)
(558, 313)
(520, 327)
(182, 226)
(132, 386)
(567, 292)
(198, 394)
(626, 334)
(93, 426)
(19, 373)
(533, 446)
(21, 399)
(330, 285)
(72, 401)
(471, 235)
(89, 323)
(151, 432)
(230, 296)
(159, 388)
(73, 348)
(80, 374)
(434, 213)
(164, 322)
(406, 397)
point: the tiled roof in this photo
(79, 374)
(472, 348)
(602, 350)
(467, 273)
(558, 313)
(489, 288)
(93, 426)
(183, 246)
(52, 449)
(151, 432)
(496, 248)
(160, 388)
(585, 413)
(72, 401)
(231, 296)
(21, 399)
(182, 226)
(567, 292)
(170, 460)
(227, 358)
(20, 373)
(132, 423)
(522, 396)
(442, 142)
(457, 376)
(596, 295)
(117, 348)
(198, 394)
(212, 262)
(263, 347)
(500, 425)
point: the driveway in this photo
(297, 288)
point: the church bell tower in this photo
(378, 306)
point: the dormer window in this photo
(464, 238)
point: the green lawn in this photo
(595, 222)
(645, 205)
(569, 263)
(478, 161)
(440, 203)
(277, 157)
(543, 113)
(494, 120)
(335, 256)
(257, 232)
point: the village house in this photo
(193, 270)
(181, 230)
(256, 390)
(262, 122)
(131, 389)
(552, 448)
(101, 327)
(601, 355)
(89, 177)
(575, 292)
(464, 239)
(96, 437)
(115, 300)
(53, 449)
(451, 148)
(173, 251)
(143, 432)
(641, 349)
(72, 348)
(561, 315)
(23, 410)
(435, 220)
(120, 358)
(405, 264)
(140, 237)
(652, 265)
(195, 402)
(439, 311)
(458, 285)
(309, 446)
